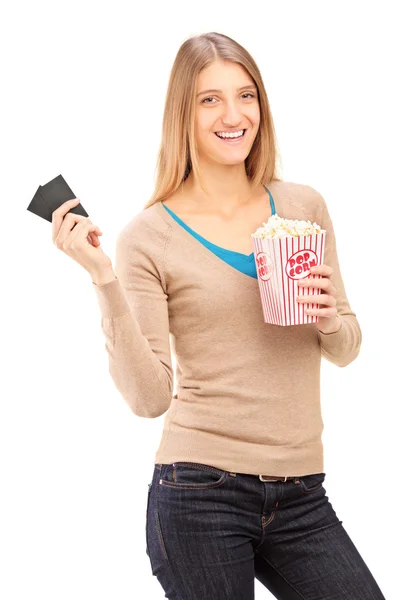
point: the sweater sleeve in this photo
(343, 346)
(134, 320)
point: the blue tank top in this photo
(242, 262)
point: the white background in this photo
(83, 90)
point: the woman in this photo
(237, 490)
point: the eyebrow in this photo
(245, 87)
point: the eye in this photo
(211, 97)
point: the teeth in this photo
(231, 135)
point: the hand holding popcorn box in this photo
(284, 252)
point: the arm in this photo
(135, 323)
(339, 347)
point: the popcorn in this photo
(284, 252)
(278, 227)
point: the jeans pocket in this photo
(154, 537)
(311, 483)
(187, 475)
(147, 520)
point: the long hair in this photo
(177, 154)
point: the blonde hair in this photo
(177, 154)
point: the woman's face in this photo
(231, 106)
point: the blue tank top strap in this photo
(242, 262)
(271, 201)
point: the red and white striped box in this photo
(281, 263)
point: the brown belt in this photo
(275, 478)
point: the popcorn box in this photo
(281, 263)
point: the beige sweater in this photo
(247, 393)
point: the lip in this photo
(235, 131)
(233, 141)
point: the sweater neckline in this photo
(240, 255)
(206, 252)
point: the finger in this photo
(85, 225)
(322, 283)
(79, 236)
(322, 312)
(326, 299)
(96, 234)
(59, 213)
(67, 226)
(322, 270)
(94, 239)
(79, 222)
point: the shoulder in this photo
(303, 198)
(141, 246)
(146, 228)
(299, 193)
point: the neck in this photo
(228, 187)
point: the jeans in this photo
(210, 533)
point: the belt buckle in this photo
(266, 480)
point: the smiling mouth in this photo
(232, 140)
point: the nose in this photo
(232, 115)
